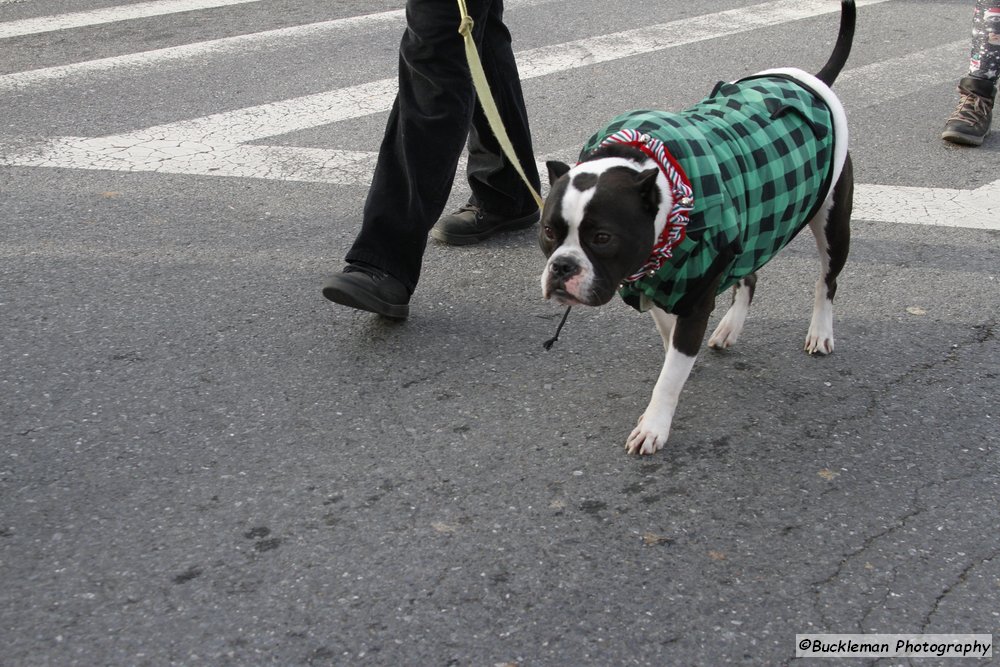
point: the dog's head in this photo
(599, 225)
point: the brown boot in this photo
(970, 122)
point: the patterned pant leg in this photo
(985, 60)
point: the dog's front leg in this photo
(682, 337)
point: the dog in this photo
(672, 209)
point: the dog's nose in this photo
(563, 268)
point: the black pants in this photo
(435, 110)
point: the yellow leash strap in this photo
(486, 97)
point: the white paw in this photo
(816, 344)
(731, 325)
(725, 335)
(648, 436)
(819, 340)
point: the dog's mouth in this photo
(568, 290)
(592, 298)
(561, 296)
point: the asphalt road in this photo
(205, 462)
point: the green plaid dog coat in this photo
(758, 155)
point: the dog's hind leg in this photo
(832, 229)
(731, 325)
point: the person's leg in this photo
(496, 185)
(984, 62)
(971, 120)
(423, 141)
(500, 201)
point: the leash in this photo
(486, 101)
(482, 87)
(552, 341)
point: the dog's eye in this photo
(601, 238)
(550, 233)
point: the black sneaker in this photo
(471, 224)
(366, 288)
(970, 122)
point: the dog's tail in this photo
(842, 49)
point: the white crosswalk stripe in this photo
(109, 15)
(131, 62)
(119, 65)
(220, 144)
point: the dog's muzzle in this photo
(564, 280)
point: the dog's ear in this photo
(556, 170)
(645, 183)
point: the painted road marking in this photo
(218, 145)
(109, 15)
(970, 209)
(213, 47)
(640, 41)
(267, 120)
(975, 209)
(280, 37)
(532, 63)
